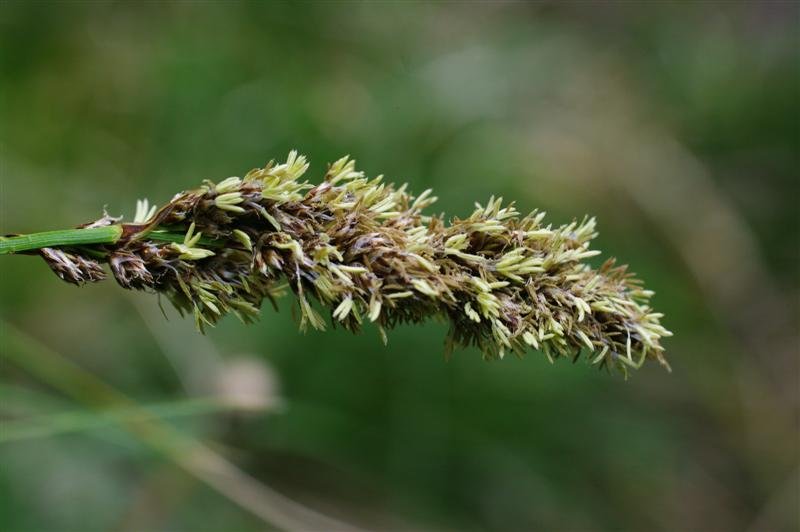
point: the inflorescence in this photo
(365, 251)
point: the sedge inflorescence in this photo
(365, 251)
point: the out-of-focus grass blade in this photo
(192, 455)
(67, 422)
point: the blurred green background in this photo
(676, 124)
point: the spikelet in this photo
(363, 249)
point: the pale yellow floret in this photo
(421, 285)
(471, 314)
(229, 202)
(143, 211)
(344, 308)
(230, 184)
(374, 309)
(243, 238)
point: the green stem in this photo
(93, 235)
(65, 237)
(166, 235)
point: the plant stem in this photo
(77, 237)
(65, 237)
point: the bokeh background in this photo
(676, 124)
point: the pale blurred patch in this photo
(248, 383)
